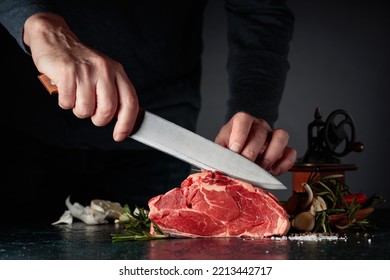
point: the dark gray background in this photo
(339, 60)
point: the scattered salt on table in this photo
(311, 237)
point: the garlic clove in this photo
(304, 221)
(318, 205)
(66, 218)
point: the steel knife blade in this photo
(192, 148)
(199, 151)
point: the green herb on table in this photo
(341, 203)
(137, 226)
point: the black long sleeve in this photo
(259, 33)
(13, 15)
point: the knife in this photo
(192, 148)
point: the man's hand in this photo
(254, 139)
(88, 82)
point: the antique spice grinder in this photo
(328, 141)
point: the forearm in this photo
(259, 33)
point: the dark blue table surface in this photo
(85, 242)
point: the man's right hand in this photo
(90, 83)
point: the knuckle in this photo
(241, 116)
(66, 98)
(101, 61)
(83, 109)
(81, 114)
(64, 104)
(262, 125)
(281, 132)
(103, 116)
(130, 101)
(250, 154)
(98, 121)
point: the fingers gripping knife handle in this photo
(52, 89)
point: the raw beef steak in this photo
(210, 204)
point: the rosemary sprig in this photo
(137, 226)
(333, 190)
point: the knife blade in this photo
(192, 148)
(200, 152)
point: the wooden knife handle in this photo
(48, 84)
(52, 89)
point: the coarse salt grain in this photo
(311, 237)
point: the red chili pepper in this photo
(361, 198)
